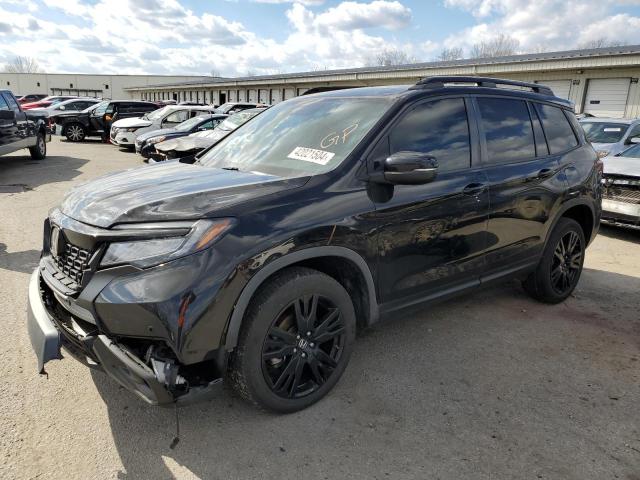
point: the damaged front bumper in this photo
(621, 214)
(155, 384)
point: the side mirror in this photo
(633, 140)
(7, 115)
(62, 107)
(408, 168)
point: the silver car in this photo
(621, 192)
(610, 136)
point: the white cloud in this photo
(552, 24)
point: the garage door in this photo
(607, 97)
(561, 88)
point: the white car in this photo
(124, 132)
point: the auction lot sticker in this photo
(311, 155)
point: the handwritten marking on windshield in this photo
(334, 138)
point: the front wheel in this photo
(561, 264)
(39, 150)
(75, 132)
(295, 341)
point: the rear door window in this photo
(3, 103)
(439, 128)
(560, 135)
(13, 105)
(507, 129)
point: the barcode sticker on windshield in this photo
(612, 129)
(311, 155)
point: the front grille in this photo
(622, 194)
(73, 262)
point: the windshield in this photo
(604, 132)
(237, 119)
(189, 124)
(156, 114)
(633, 152)
(299, 137)
(96, 107)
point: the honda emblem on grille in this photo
(56, 242)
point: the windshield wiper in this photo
(235, 169)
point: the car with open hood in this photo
(257, 263)
(191, 145)
(124, 132)
(146, 142)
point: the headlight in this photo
(152, 251)
(153, 140)
(602, 153)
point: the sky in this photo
(240, 37)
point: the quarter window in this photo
(507, 129)
(560, 136)
(439, 128)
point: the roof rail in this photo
(439, 82)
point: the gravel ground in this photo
(489, 386)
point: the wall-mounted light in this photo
(634, 80)
(576, 82)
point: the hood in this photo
(185, 144)
(65, 114)
(36, 114)
(627, 166)
(167, 191)
(131, 122)
(157, 133)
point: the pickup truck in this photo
(22, 129)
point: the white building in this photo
(602, 81)
(102, 86)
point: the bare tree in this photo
(601, 43)
(499, 46)
(22, 65)
(390, 57)
(448, 54)
(214, 73)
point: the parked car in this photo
(322, 215)
(197, 142)
(145, 143)
(230, 108)
(72, 105)
(621, 196)
(124, 132)
(20, 129)
(46, 101)
(32, 97)
(610, 136)
(96, 121)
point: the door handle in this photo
(474, 188)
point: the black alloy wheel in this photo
(567, 262)
(295, 342)
(560, 266)
(303, 346)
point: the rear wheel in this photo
(39, 150)
(295, 341)
(559, 269)
(75, 132)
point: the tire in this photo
(39, 150)
(277, 365)
(75, 132)
(560, 267)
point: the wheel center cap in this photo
(302, 343)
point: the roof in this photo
(528, 57)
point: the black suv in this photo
(322, 215)
(96, 120)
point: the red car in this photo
(32, 97)
(46, 102)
